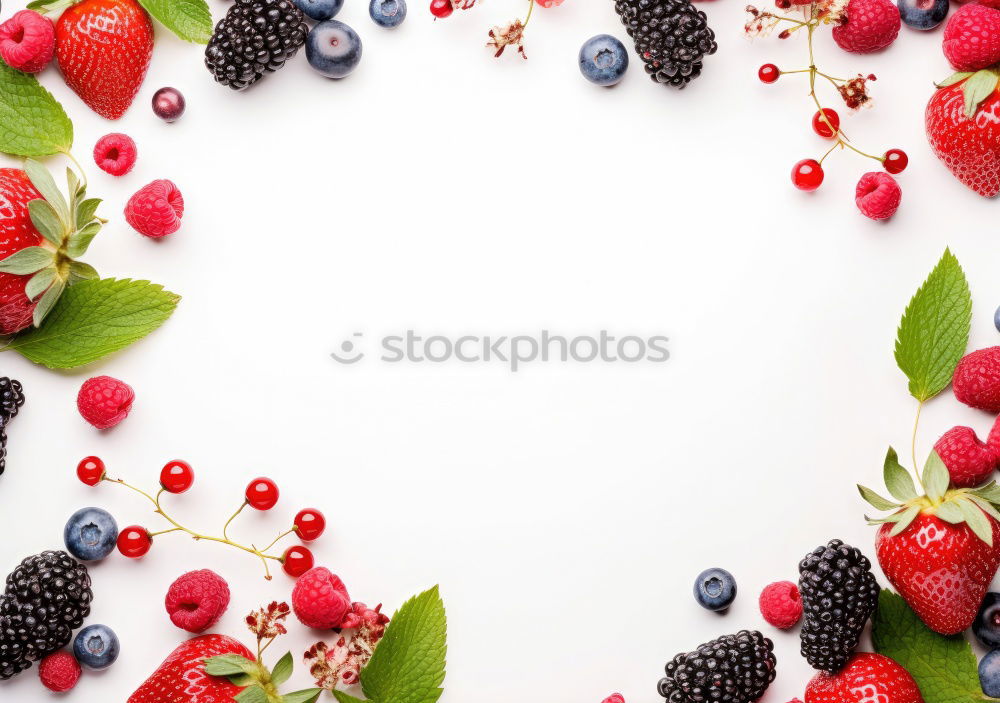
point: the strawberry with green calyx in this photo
(941, 549)
(62, 230)
(962, 122)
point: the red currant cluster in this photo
(177, 477)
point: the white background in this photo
(564, 510)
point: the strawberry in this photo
(867, 677)
(962, 121)
(181, 678)
(41, 232)
(940, 550)
(103, 48)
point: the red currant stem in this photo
(913, 446)
(279, 537)
(800, 23)
(79, 168)
(833, 80)
(801, 70)
(527, 18)
(829, 151)
(163, 532)
(231, 518)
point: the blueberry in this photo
(715, 589)
(96, 647)
(319, 10)
(90, 534)
(922, 14)
(333, 49)
(603, 60)
(387, 13)
(986, 627)
(996, 319)
(989, 673)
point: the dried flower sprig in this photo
(500, 36)
(341, 664)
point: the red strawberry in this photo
(942, 570)
(16, 233)
(103, 48)
(867, 677)
(181, 678)
(962, 121)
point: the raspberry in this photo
(972, 37)
(977, 380)
(320, 599)
(115, 154)
(27, 41)
(970, 462)
(156, 209)
(877, 195)
(104, 401)
(59, 671)
(614, 698)
(870, 25)
(781, 605)
(196, 600)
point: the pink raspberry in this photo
(970, 462)
(320, 599)
(614, 698)
(870, 25)
(781, 605)
(972, 37)
(877, 195)
(27, 41)
(59, 671)
(196, 600)
(550, 3)
(977, 380)
(115, 154)
(156, 209)
(104, 401)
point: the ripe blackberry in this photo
(671, 37)
(47, 597)
(839, 594)
(730, 669)
(11, 400)
(255, 37)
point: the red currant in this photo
(90, 470)
(768, 73)
(309, 524)
(262, 493)
(895, 160)
(134, 541)
(821, 126)
(441, 8)
(807, 174)
(176, 476)
(296, 561)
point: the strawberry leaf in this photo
(229, 665)
(282, 670)
(44, 184)
(307, 695)
(345, 697)
(32, 123)
(47, 302)
(39, 282)
(875, 500)
(976, 519)
(935, 477)
(28, 260)
(252, 694)
(906, 518)
(897, 479)
(954, 78)
(934, 331)
(977, 88)
(950, 512)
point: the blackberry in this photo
(255, 37)
(730, 669)
(839, 594)
(47, 597)
(11, 400)
(671, 37)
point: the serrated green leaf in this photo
(251, 694)
(85, 211)
(282, 670)
(345, 697)
(935, 477)
(906, 518)
(79, 271)
(28, 260)
(44, 184)
(80, 240)
(950, 512)
(408, 664)
(977, 520)
(48, 301)
(39, 283)
(190, 20)
(980, 86)
(875, 499)
(307, 695)
(934, 330)
(953, 79)
(897, 479)
(944, 668)
(46, 221)
(94, 319)
(32, 123)
(229, 665)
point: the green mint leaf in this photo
(46, 221)
(307, 695)
(95, 318)
(190, 20)
(28, 260)
(32, 123)
(944, 668)
(408, 663)
(39, 283)
(282, 670)
(876, 500)
(345, 697)
(935, 477)
(251, 694)
(897, 479)
(934, 331)
(229, 665)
